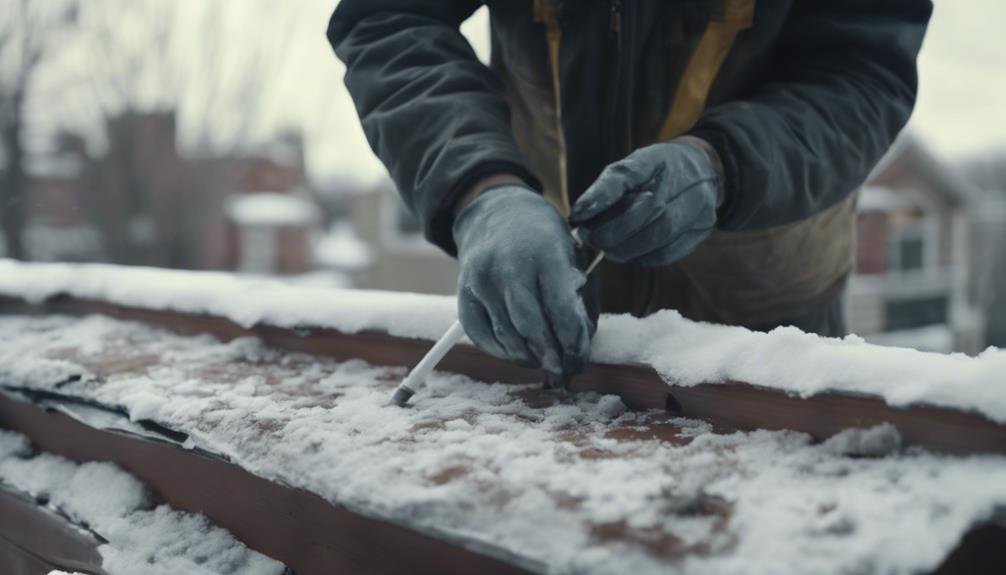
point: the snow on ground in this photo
(578, 485)
(682, 351)
(271, 209)
(142, 538)
(342, 249)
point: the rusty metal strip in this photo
(727, 405)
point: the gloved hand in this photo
(651, 208)
(520, 290)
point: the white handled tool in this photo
(416, 378)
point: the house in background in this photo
(141, 201)
(912, 276)
(987, 172)
(276, 167)
(400, 257)
(271, 233)
(57, 227)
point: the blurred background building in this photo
(218, 135)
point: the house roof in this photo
(341, 248)
(271, 209)
(883, 199)
(561, 483)
(909, 148)
(55, 166)
(684, 353)
(567, 483)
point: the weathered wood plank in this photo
(727, 405)
(307, 533)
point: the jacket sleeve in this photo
(843, 86)
(432, 112)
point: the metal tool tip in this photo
(402, 396)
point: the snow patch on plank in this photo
(244, 300)
(683, 352)
(687, 353)
(142, 538)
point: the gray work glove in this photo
(521, 290)
(651, 208)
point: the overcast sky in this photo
(962, 79)
(961, 109)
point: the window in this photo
(916, 312)
(912, 242)
(910, 251)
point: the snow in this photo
(683, 352)
(883, 199)
(522, 471)
(341, 248)
(690, 353)
(271, 209)
(49, 243)
(142, 538)
(244, 300)
(330, 279)
(877, 441)
(64, 166)
(937, 337)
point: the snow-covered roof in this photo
(572, 483)
(139, 537)
(55, 165)
(342, 249)
(883, 199)
(271, 209)
(683, 352)
(908, 146)
(285, 150)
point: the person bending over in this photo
(711, 149)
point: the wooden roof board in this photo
(727, 405)
(684, 353)
(308, 534)
(188, 481)
(135, 358)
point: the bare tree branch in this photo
(154, 56)
(29, 37)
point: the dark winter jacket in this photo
(799, 98)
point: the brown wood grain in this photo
(727, 405)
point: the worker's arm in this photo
(433, 114)
(843, 86)
(438, 120)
